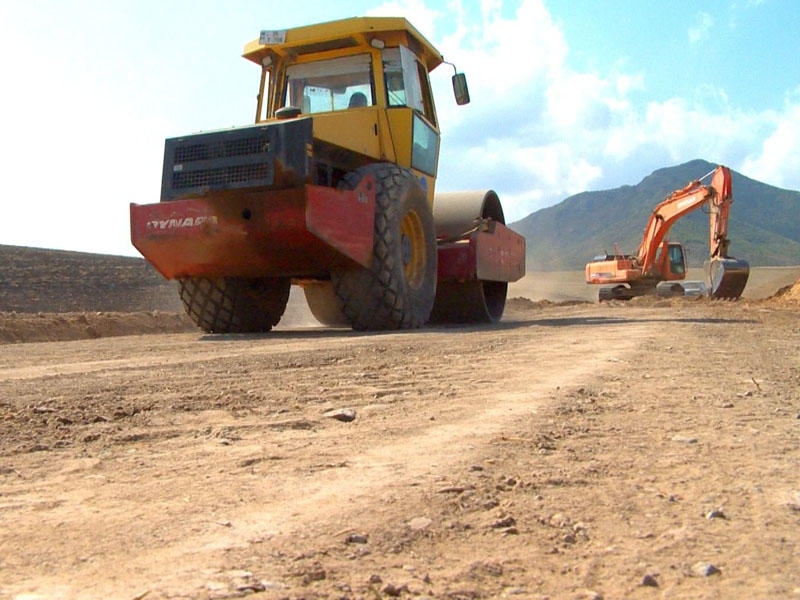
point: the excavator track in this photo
(727, 277)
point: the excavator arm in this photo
(727, 276)
(719, 208)
(681, 202)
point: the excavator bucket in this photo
(727, 276)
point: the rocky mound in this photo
(788, 294)
(61, 327)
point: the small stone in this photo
(251, 587)
(419, 523)
(345, 415)
(703, 569)
(375, 579)
(315, 573)
(356, 538)
(393, 590)
(649, 581)
(481, 567)
(715, 514)
(504, 523)
(684, 439)
(274, 586)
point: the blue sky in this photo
(567, 96)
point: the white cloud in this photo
(538, 130)
(702, 28)
(777, 160)
(423, 18)
(522, 95)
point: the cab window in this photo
(407, 82)
(329, 85)
(676, 259)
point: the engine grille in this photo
(244, 157)
(222, 149)
(222, 176)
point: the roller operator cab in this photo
(332, 189)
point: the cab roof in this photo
(346, 33)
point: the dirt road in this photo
(640, 451)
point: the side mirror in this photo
(460, 89)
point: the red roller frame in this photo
(296, 232)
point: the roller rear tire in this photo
(235, 304)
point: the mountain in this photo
(764, 224)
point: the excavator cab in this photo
(677, 262)
(671, 261)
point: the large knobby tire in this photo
(397, 291)
(235, 304)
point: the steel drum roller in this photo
(456, 215)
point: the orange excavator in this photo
(626, 276)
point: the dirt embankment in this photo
(54, 295)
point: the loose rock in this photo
(649, 581)
(419, 523)
(345, 415)
(393, 590)
(704, 569)
(504, 523)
